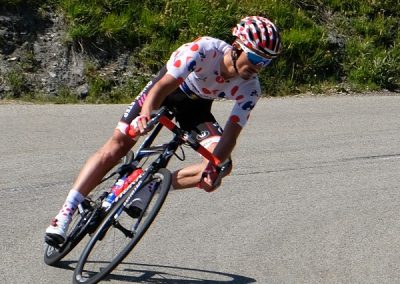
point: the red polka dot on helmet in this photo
(259, 34)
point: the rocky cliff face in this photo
(36, 56)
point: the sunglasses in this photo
(254, 58)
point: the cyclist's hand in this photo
(138, 126)
(208, 178)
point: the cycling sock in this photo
(74, 198)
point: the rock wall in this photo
(36, 56)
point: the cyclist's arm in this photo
(161, 89)
(223, 152)
(227, 143)
(178, 69)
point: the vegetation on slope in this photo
(328, 44)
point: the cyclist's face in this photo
(245, 68)
(251, 62)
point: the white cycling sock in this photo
(74, 198)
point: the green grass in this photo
(328, 43)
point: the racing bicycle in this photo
(114, 231)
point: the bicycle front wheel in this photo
(119, 233)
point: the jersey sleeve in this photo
(243, 106)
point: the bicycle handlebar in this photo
(189, 139)
(221, 167)
(161, 116)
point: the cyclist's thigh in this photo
(207, 134)
(194, 115)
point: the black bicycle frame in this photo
(166, 150)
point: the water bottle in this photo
(115, 191)
(134, 175)
(120, 186)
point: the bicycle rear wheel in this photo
(54, 253)
(119, 233)
(83, 222)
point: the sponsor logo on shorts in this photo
(203, 134)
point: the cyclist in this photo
(196, 74)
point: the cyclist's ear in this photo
(236, 50)
(234, 54)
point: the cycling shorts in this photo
(191, 112)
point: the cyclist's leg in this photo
(89, 177)
(115, 148)
(97, 166)
(102, 162)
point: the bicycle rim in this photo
(110, 244)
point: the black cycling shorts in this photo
(191, 112)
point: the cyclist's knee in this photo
(116, 147)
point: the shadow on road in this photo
(163, 274)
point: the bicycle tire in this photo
(84, 274)
(53, 254)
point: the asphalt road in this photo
(314, 196)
